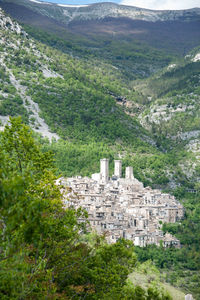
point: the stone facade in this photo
(123, 207)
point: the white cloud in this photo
(163, 4)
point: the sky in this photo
(150, 4)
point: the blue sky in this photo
(75, 2)
(151, 4)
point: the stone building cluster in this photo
(123, 207)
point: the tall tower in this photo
(118, 168)
(104, 169)
(129, 173)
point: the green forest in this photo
(102, 101)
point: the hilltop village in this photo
(123, 207)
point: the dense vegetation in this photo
(176, 90)
(78, 96)
(77, 99)
(174, 112)
(180, 266)
(10, 103)
(45, 251)
(134, 59)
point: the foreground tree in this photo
(35, 230)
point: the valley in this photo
(110, 81)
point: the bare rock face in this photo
(97, 11)
(6, 23)
(176, 30)
(9, 27)
(105, 10)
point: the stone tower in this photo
(104, 169)
(129, 173)
(188, 297)
(118, 168)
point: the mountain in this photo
(111, 19)
(148, 39)
(67, 14)
(81, 99)
(133, 102)
(75, 97)
(173, 108)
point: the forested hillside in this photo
(90, 108)
(136, 41)
(172, 114)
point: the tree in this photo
(35, 229)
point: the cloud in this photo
(163, 4)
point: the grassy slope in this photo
(148, 280)
(147, 275)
